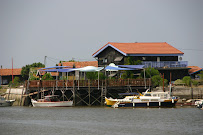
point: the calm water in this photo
(100, 121)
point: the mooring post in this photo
(38, 89)
(102, 93)
(74, 100)
(191, 90)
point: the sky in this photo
(75, 29)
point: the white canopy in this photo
(113, 66)
(90, 69)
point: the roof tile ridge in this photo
(174, 47)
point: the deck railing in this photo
(86, 83)
(165, 64)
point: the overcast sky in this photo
(66, 29)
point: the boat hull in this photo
(110, 102)
(149, 104)
(52, 104)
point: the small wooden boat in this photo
(148, 99)
(51, 101)
(4, 102)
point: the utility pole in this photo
(45, 57)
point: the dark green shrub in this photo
(47, 76)
(15, 83)
(94, 75)
(156, 79)
(187, 80)
(195, 82)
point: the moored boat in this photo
(148, 99)
(199, 104)
(4, 102)
(51, 101)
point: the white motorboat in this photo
(148, 99)
(51, 101)
(199, 103)
(4, 102)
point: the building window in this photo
(105, 60)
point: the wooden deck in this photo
(87, 83)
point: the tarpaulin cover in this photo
(132, 66)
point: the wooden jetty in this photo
(84, 92)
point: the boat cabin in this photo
(161, 95)
(50, 98)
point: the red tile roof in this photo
(144, 48)
(8, 72)
(194, 69)
(81, 64)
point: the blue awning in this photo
(132, 66)
(58, 70)
(117, 68)
(55, 67)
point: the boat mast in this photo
(12, 69)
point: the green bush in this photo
(127, 74)
(47, 76)
(91, 75)
(15, 83)
(165, 82)
(201, 75)
(187, 80)
(102, 76)
(156, 79)
(33, 78)
(26, 69)
(94, 75)
(195, 82)
(178, 81)
(149, 72)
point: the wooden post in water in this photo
(191, 90)
(102, 94)
(74, 100)
(38, 88)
